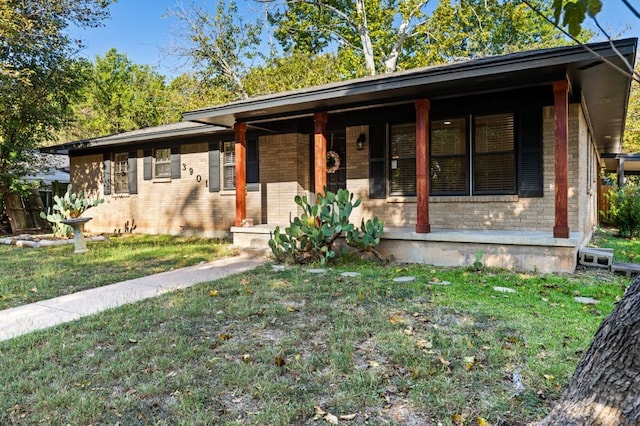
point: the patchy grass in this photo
(29, 275)
(625, 249)
(285, 347)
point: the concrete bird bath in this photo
(77, 223)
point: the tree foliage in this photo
(397, 34)
(39, 77)
(631, 142)
(220, 45)
(120, 96)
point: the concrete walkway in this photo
(48, 313)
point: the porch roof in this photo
(604, 90)
(631, 163)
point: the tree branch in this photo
(626, 73)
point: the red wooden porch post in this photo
(241, 172)
(561, 129)
(320, 150)
(422, 165)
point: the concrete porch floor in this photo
(516, 250)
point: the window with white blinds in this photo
(229, 166)
(163, 162)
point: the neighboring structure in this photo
(499, 155)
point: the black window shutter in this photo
(175, 162)
(252, 165)
(214, 167)
(147, 162)
(133, 173)
(530, 162)
(377, 161)
(107, 174)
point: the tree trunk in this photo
(605, 388)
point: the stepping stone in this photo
(586, 300)
(504, 290)
(440, 282)
(317, 271)
(350, 274)
(404, 279)
(279, 267)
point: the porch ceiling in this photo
(631, 163)
(604, 90)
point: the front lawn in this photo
(28, 275)
(286, 347)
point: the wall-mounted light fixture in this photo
(360, 142)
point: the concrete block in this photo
(596, 257)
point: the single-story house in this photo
(498, 155)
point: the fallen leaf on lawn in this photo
(246, 358)
(394, 320)
(549, 377)
(225, 336)
(469, 362)
(213, 293)
(424, 344)
(409, 331)
(482, 422)
(319, 413)
(443, 361)
(331, 419)
(133, 341)
(435, 280)
(279, 361)
(292, 309)
(457, 419)
(298, 357)
(34, 290)
(348, 416)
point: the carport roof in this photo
(603, 89)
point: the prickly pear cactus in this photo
(69, 206)
(311, 236)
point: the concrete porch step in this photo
(629, 269)
(597, 257)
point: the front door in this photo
(336, 173)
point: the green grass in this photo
(28, 275)
(267, 347)
(625, 249)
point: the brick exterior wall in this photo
(285, 171)
(185, 206)
(162, 206)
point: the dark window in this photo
(402, 170)
(252, 165)
(449, 157)
(530, 168)
(377, 155)
(121, 173)
(494, 161)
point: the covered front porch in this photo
(515, 250)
